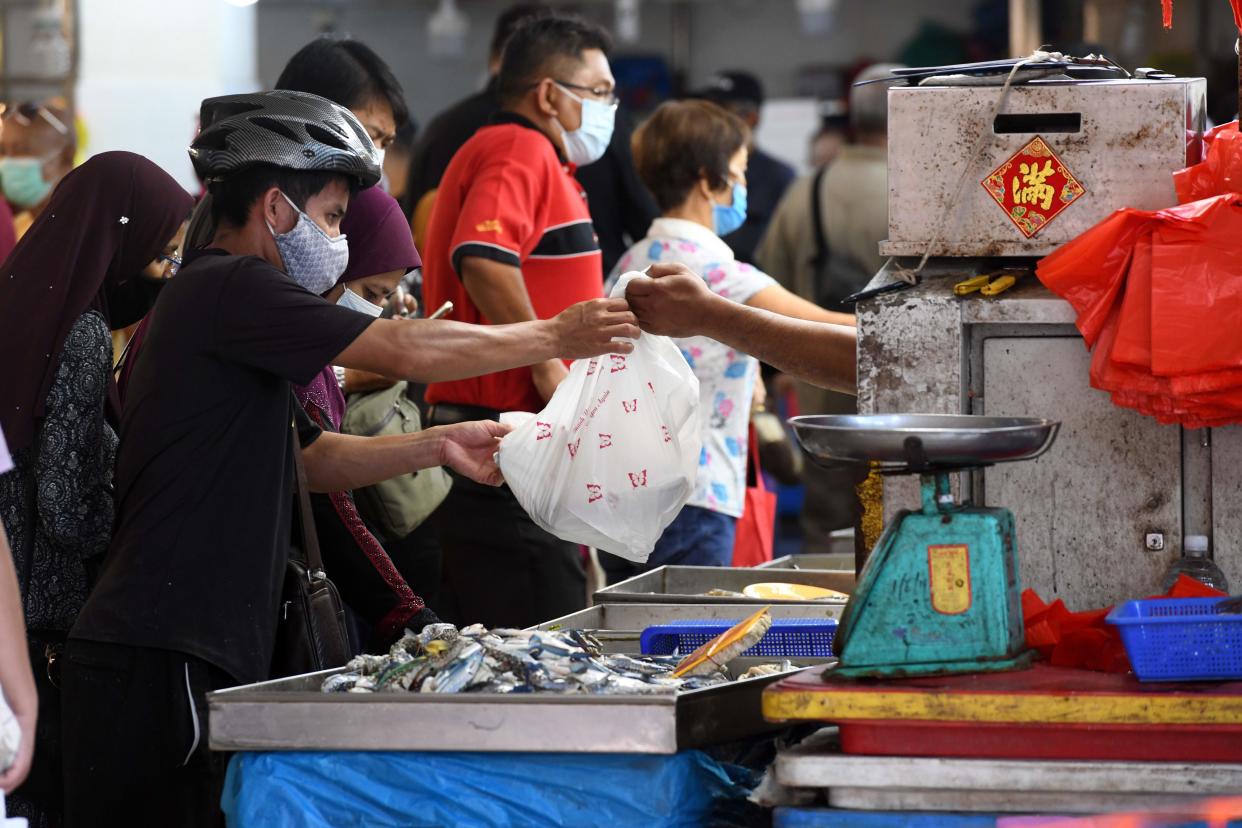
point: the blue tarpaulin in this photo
(521, 790)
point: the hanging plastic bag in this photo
(1219, 173)
(613, 457)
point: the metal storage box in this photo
(1120, 140)
(686, 585)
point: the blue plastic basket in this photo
(1180, 639)
(787, 638)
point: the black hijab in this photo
(105, 222)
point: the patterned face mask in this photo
(312, 258)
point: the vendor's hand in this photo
(587, 329)
(403, 304)
(547, 376)
(470, 448)
(16, 774)
(673, 302)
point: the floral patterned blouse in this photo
(726, 376)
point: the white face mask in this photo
(354, 302)
(586, 144)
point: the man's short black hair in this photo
(539, 44)
(347, 72)
(233, 196)
(509, 20)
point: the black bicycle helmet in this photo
(293, 130)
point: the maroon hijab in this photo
(105, 222)
(379, 236)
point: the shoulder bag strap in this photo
(310, 540)
(817, 222)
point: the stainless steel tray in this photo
(619, 627)
(686, 585)
(923, 442)
(836, 561)
(292, 714)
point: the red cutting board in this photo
(1040, 713)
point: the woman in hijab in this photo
(381, 252)
(71, 280)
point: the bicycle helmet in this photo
(293, 130)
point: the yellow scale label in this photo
(949, 578)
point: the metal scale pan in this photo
(923, 443)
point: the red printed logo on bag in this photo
(592, 366)
(605, 441)
(618, 363)
(630, 406)
(638, 479)
(668, 435)
(594, 492)
(573, 448)
(544, 432)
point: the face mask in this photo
(21, 178)
(312, 258)
(354, 302)
(729, 217)
(586, 144)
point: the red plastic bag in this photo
(1090, 271)
(1156, 294)
(1219, 173)
(756, 528)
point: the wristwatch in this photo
(340, 376)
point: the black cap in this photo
(733, 88)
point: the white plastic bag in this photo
(612, 458)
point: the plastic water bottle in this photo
(1196, 564)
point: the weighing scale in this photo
(940, 593)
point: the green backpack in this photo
(396, 507)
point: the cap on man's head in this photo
(733, 87)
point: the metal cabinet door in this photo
(1112, 477)
(1227, 503)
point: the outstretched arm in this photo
(437, 350)
(341, 462)
(676, 302)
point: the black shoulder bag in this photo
(835, 275)
(310, 634)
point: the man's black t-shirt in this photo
(204, 471)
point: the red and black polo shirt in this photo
(508, 196)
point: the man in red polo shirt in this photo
(510, 239)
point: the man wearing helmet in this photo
(188, 597)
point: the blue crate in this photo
(1180, 639)
(787, 638)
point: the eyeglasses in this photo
(604, 94)
(27, 111)
(172, 263)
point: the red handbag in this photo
(756, 528)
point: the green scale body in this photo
(940, 594)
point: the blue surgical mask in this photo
(21, 178)
(586, 144)
(312, 258)
(729, 217)
(354, 302)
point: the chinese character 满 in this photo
(1036, 191)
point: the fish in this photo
(444, 659)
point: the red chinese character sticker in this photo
(1033, 187)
